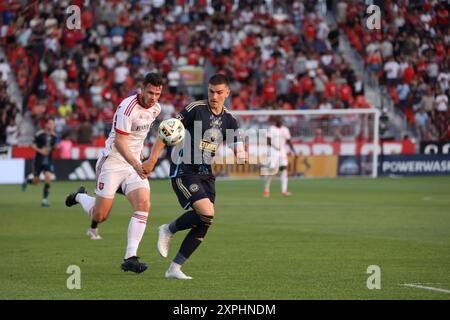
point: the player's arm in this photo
(121, 143)
(122, 123)
(238, 143)
(289, 143)
(42, 151)
(241, 154)
(150, 163)
(288, 140)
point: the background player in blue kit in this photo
(44, 143)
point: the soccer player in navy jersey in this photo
(44, 143)
(191, 175)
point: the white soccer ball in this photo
(171, 131)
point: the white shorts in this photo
(112, 174)
(278, 159)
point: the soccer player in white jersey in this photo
(120, 166)
(278, 139)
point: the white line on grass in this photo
(413, 285)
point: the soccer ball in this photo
(171, 131)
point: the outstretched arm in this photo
(149, 164)
(241, 154)
(121, 143)
(289, 142)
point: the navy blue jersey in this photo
(41, 140)
(205, 132)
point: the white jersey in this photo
(133, 119)
(279, 138)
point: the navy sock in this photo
(185, 221)
(46, 190)
(94, 224)
(193, 239)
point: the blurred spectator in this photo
(4, 70)
(12, 132)
(85, 132)
(422, 124)
(65, 146)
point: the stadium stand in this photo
(280, 55)
(409, 58)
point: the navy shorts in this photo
(190, 188)
(39, 167)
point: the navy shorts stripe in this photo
(191, 188)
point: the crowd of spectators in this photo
(276, 54)
(8, 110)
(409, 55)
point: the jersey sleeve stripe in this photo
(130, 106)
(121, 132)
(131, 110)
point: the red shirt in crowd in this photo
(306, 84)
(269, 92)
(345, 92)
(408, 75)
(331, 90)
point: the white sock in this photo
(284, 180)
(174, 266)
(267, 181)
(87, 202)
(136, 230)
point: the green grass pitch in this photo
(316, 244)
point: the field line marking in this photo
(412, 285)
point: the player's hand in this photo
(148, 167)
(242, 157)
(140, 171)
(44, 151)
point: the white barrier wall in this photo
(12, 171)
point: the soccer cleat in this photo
(93, 234)
(133, 264)
(44, 203)
(164, 238)
(266, 194)
(70, 199)
(177, 274)
(286, 194)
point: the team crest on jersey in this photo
(193, 187)
(101, 185)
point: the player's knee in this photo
(206, 210)
(142, 205)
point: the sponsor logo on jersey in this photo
(208, 146)
(144, 127)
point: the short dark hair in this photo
(154, 79)
(217, 79)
